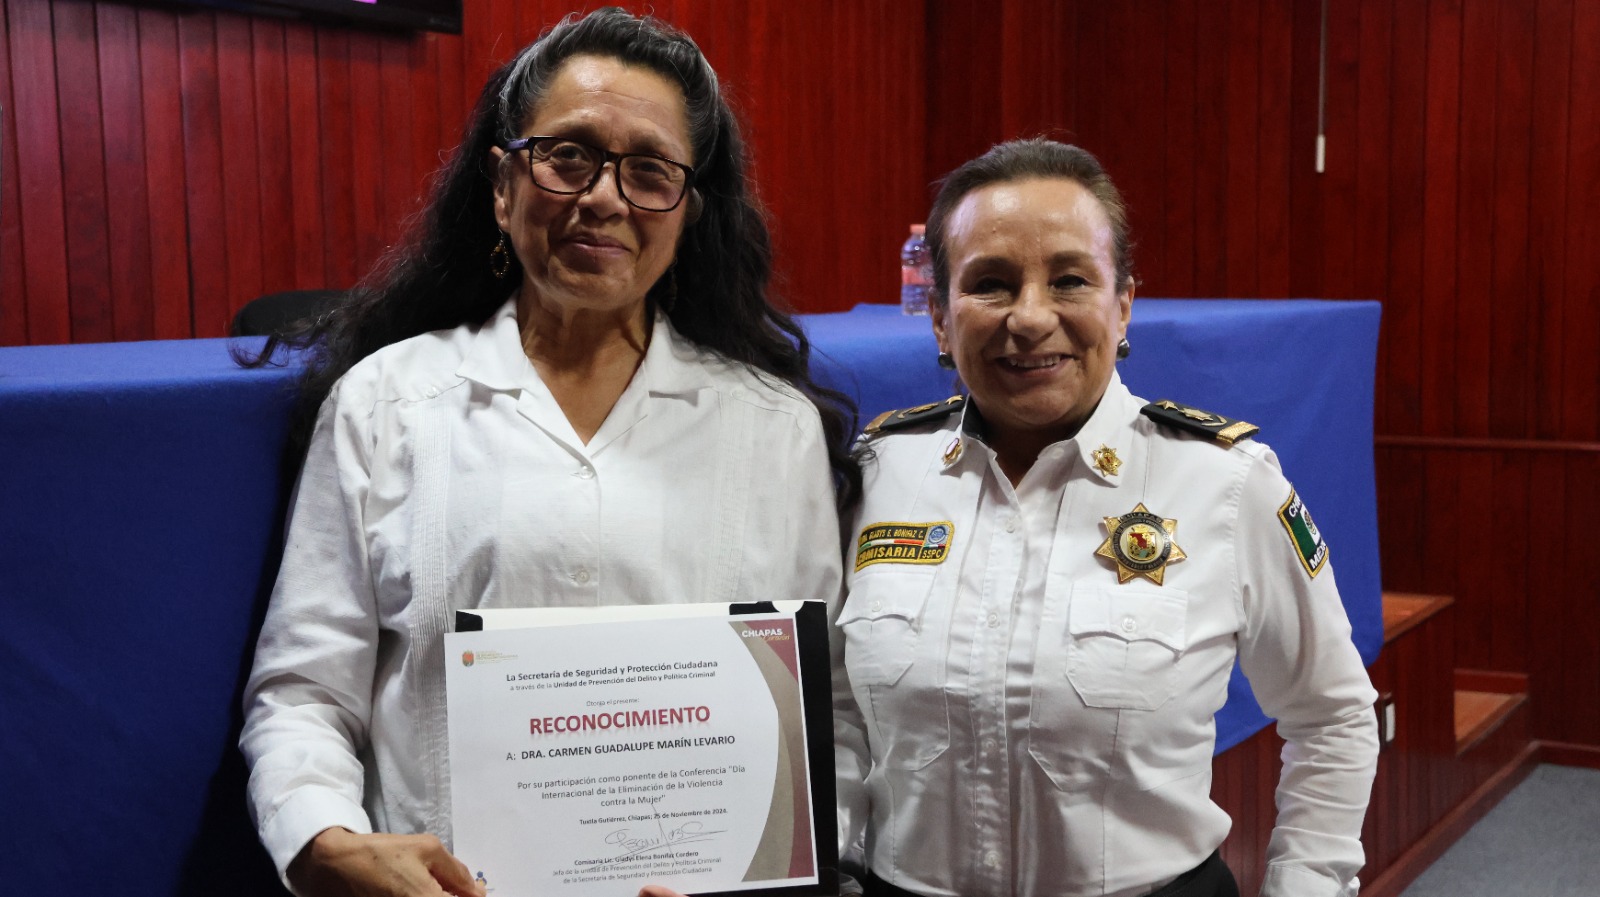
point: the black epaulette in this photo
(910, 417)
(1225, 430)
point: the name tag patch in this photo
(1307, 539)
(904, 543)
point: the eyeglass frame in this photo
(606, 156)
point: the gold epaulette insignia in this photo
(1225, 430)
(910, 417)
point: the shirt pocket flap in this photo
(880, 595)
(1132, 613)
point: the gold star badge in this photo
(1141, 544)
(1106, 460)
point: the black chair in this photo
(281, 314)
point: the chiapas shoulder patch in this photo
(1307, 539)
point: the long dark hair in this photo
(441, 278)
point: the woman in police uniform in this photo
(1052, 580)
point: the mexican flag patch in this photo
(1307, 539)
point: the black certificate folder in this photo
(798, 849)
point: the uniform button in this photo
(585, 473)
(1011, 525)
(991, 859)
(737, 392)
(1129, 624)
(432, 392)
(877, 606)
(582, 576)
(994, 620)
(988, 745)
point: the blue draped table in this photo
(140, 507)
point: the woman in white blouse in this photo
(1051, 582)
(570, 390)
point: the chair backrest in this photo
(283, 313)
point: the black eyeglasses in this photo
(567, 167)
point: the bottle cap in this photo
(919, 229)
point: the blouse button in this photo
(1130, 625)
(585, 473)
(991, 859)
(876, 606)
(1011, 525)
(994, 620)
(582, 576)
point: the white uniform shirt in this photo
(1019, 722)
(443, 475)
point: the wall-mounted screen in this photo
(426, 15)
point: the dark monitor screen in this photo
(427, 15)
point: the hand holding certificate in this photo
(601, 750)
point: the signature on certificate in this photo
(633, 842)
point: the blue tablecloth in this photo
(140, 507)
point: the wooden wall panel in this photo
(1237, 205)
(270, 92)
(160, 81)
(13, 314)
(305, 168)
(1369, 138)
(83, 173)
(40, 192)
(1304, 188)
(1277, 151)
(1439, 306)
(127, 194)
(1552, 101)
(203, 186)
(1512, 292)
(241, 224)
(1180, 57)
(1475, 224)
(1581, 325)
(1399, 402)
(163, 167)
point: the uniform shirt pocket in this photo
(1123, 645)
(896, 666)
(881, 620)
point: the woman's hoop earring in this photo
(946, 361)
(500, 259)
(1123, 349)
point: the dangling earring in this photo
(500, 259)
(946, 361)
(1123, 349)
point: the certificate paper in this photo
(597, 751)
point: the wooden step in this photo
(1403, 611)
(1479, 713)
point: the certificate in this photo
(596, 750)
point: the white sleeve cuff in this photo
(1294, 881)
(305, 814)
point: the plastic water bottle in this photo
(916, 272)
